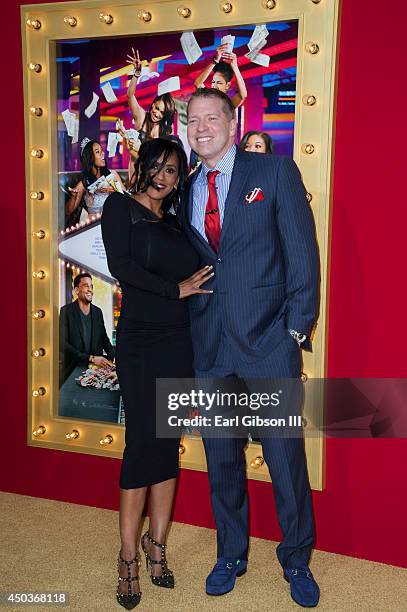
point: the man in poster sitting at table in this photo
(82, 336)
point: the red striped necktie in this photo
(212, 217)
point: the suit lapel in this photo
(92, 327)
(190, 198)
(235, 193)
(238, 181)
(79, 322)
(188, 219)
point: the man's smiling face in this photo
(84, 290)
(211, 132)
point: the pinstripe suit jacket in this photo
(267, 268)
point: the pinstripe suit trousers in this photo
(285, 458)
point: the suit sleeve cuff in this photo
(303, 341)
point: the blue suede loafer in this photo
(222, 578)
(304, 589)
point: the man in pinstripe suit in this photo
(247, 215)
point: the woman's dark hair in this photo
(88, 163)
(267, 140)
(225, 70)
(147, 167)
(166, 123)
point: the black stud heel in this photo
(166, 579)
(130, 599)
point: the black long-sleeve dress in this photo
(149, 257)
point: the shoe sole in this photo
(224, 593)
(297, 602)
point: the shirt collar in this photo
(224, 165)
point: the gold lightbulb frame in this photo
(36, 111)
(317, 22)
(70, 21)
(144, 15)
(106, 18)
(184, 12)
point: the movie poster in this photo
(98, 107)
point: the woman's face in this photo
(98, 156)
(255, 144)
(166, 179)
(219, 82)
(157, 111)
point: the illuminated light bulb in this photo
(71, 21)
(257, 462)
(106, 18)
(304, 377)
(312, 47)
(226, 7)
(40, 234)
(309, 100)
(144, 15)
(308, 148)
(106, 440)
(40, 275)
(37, 153)
(34, 67)
(184, 11)
(40, 431)
(39, 352)
(269, 4)
(38, 314)
(36, 111)
(37, 195)
(39, 392)
(72, 435)
(181, 449)
(35, 24)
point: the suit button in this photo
(219, 260)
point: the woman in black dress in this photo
(157, 267)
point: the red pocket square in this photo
(254, 196)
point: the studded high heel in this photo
(166, 579)
(130, 599)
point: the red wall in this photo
(363, 509)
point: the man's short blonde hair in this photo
(205, 92)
